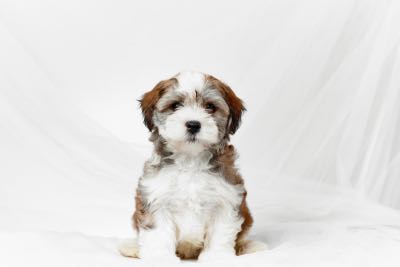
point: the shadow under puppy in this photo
(191, 200)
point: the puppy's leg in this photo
(159, 241)
(221, 236)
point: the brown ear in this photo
(150, 99)
(236, 106)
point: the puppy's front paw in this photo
(210, 255)
(129, 248)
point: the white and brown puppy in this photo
(191, 200)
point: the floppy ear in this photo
(236, 106)
(150, 99)
(237, 109)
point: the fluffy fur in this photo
(191, 200)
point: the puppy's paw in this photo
(129, 248)
(250, 246)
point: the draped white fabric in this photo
(319, 145)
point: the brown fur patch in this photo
(246, 225)
(141, 217)
(150, 99)
(224, 162)
(236, 106)
(188, 251)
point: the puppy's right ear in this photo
(150, 99)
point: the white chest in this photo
(197, 190)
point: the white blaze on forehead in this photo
(189, 81)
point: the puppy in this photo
(191, 199)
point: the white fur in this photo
(175, 131)
(190, 203)
(189, 81)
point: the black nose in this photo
(193, 126)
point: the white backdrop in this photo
(319, 145)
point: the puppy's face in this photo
(192, 111)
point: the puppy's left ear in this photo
(237, 109)
(149, 101)
(236, 106)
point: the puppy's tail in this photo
(249, 246)
(129, 248)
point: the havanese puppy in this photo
(191, 199)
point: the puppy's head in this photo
(192, 111)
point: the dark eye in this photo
(174, 106)
(210, 107)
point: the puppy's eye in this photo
(210, 107)
(174, 106)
